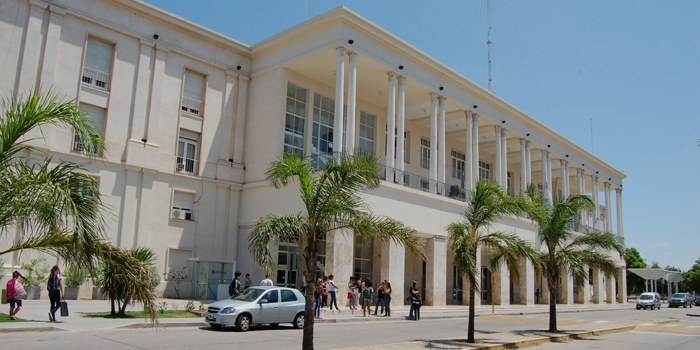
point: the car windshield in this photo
(646, 297)
(250, 294)
(679, 295)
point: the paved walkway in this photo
(36, 312)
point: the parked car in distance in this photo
(649, 301)
(680, 299)
(258, 305)
(697, 300)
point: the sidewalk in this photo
(36, 312)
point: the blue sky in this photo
(632, 67)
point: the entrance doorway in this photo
(287, 265)
(485, 285)
(457, 286)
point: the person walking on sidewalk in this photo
(367, 297)
(333, 291)
(387, 299)
(15, 293)
(412, 296)
(55, 288)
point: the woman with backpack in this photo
(367, 298)
(319, 298)
(15, 293)
(55, 287)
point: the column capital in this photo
(433, 96)
(340, 51)
(352, 54)
(391, 75)
(442, 98)
(401, 78)
(618, 190)
(475, 116)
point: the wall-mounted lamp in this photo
(567, 156)
(144, 140)
(475, 106)
(230, 160)
(238, 67)
(156, 36)
(442, 88)
(401, 67)
(583, 164)
(503, 121)
(528, 134)
(351, 41)
(597, 171)
(548, 146)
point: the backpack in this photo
(20, 293)
(368, 293)
(52, 283)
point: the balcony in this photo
(96, 78)
(191, 105)
(186, 166)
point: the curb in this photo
(552, 338)
(693, 315)
(163, 325)
(29, 329)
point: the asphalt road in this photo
(375, 335)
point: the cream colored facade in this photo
(184, 170)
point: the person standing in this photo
(417, 303)
(267, 281)
(319, 298)
(387, 299)
(325, 293)
(360, 289)
(247, 282)
(412, 297)
(379, 302)
(15, 293)
(537, 296)
(234, 288)
(333, 291)
(352, 291)
(367, 297)
(55, 288)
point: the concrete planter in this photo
(33, 292)
(98, 294)
(71, 293)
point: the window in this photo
(484, 171)
(424, 153)
(363, 258)
(406, 146)
(182, 206)
(322, 137)
(272, 297)
(458, 164)
(288, 295)
(187, 152)
(295, 120)
(509, 183)
(98, 116)
(193, 93)
(98, 64)
(367, 123)
(424, 185)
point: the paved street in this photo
(443, 328)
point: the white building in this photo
(193, 118)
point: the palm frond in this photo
(464, 247)
(509, 248)
(271, 230)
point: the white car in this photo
(258, 305)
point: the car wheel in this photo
(243, 323)
(638, 308)
(298, 322)
(274, 325)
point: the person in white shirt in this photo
(266, 282)
(333, 289)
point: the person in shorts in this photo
(15, 293)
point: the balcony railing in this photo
(79, 147)
(191, 105)
(186, 166)
(96, 78)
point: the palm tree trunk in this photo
(470, 328)
(552, 304)
(309, 316)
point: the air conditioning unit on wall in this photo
(179, 214)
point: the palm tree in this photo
(55, 206)
(332, 202)
(566, 250)
(487, 204)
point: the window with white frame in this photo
(362, 258)
(182, 206)
(424, 185)
(187, 152)
(509, 183)
(295, 120)
(193, 93)
(424, 153)
(484, 171)
(324, 116)
(406, 145)
(98, 63)
(367, 132)
(98, 117)
(458, 164)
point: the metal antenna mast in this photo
(489, 43)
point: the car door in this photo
(269, 307)
(289, 305)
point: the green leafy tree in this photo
(691, 278)
(486, 205)
(54, 205)
(331, 202)
(633, 260)
(566, 250)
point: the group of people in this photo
(361, 291)
(235, 288)
(16, 292)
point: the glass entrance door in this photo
(287, 265)
(457, 285)
(485, 285)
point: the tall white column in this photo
(352, 101)
(153, 118)
(564, 177)
(523, 167)
(549, 175)
(339, 95)
(436, 266)
(618, 201)
(528, 163)
(498, 171)
(401, 128)
(581, 190)
(391, 127)
(596, 210)
(242, 100)
(433, 139)
(545, 180)
(504, 158)
(469, 154)
(442, 144)
(53, 38)
(608, 208)
(475, 150)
